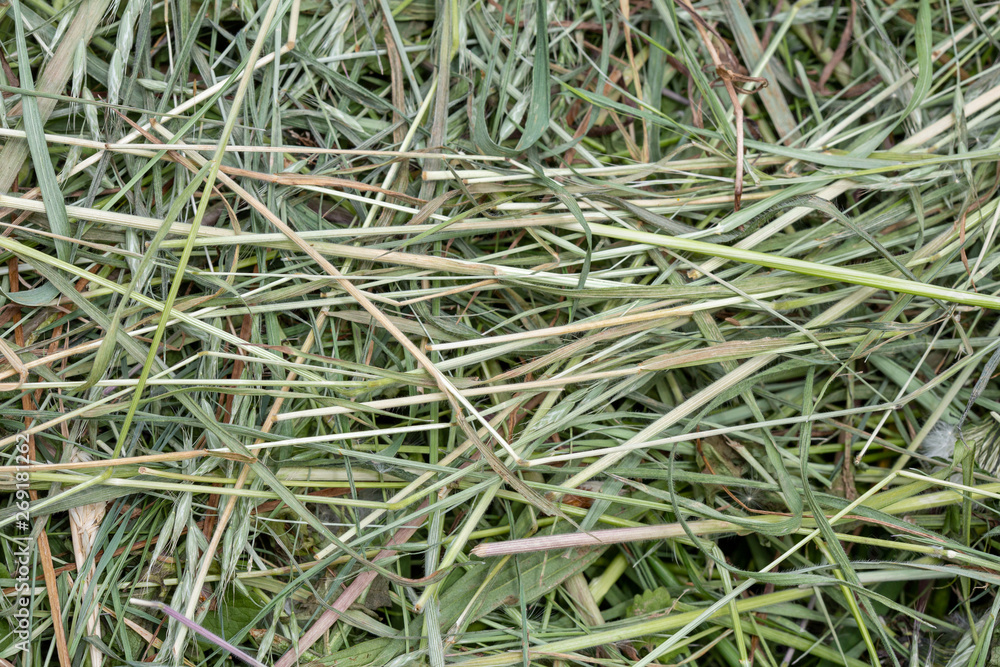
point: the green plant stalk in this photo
(840, 274)
(601, 584)
(651, 627)
(456, 547)
(852, 605)
(734, 610)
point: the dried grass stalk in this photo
(85, 521)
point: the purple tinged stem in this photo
(194, 627)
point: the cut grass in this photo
(492, 333)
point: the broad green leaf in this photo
(55, 206)
(39, 296)
(537, 120)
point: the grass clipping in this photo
(500, 333)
